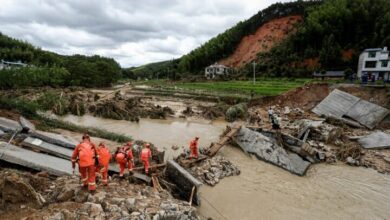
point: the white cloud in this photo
(133, 32)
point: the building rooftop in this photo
(329, 74)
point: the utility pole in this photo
(254, 72)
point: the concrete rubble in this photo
(212, 170)
(56, 139)
(26, 124)
(376, 140)
(9, 126)
(189, 185)
(33, 160)
(38, 144)
(63, 198)
(342, 105)
(267, 149)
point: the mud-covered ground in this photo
(295, 106)
(38, 196)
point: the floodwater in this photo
(163, 133)
(264, 191)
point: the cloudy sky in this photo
(134, 32)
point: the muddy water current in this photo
(264, 191)
(163, 133)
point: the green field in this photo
(263, 87)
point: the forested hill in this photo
(331, 37)
(224, 44)
(75, 70)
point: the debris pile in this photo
(64, 198)
(212, 170)
(339, 129)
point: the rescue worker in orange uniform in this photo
(84, 153)
(123, 156)
(146, 154)
(104, 161)
(194, 148)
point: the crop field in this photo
(263, 87)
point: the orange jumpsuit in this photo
(194, 149)
(85, 153)
(146, 154)
(125, 155)
(104, 161)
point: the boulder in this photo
(16, 191)
(66, 194)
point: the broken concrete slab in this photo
(9, 126)
(26, 124)
(265, 148)
(55, 139)
(376, 140)
(55, 150)
(184, 180)
(36, 161)
(367, 113)
(342, 105)
(336, 104)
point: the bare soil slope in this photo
(263, 40)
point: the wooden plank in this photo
(189, 162)
(224, 140)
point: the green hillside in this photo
(333, 34)
(51, 69)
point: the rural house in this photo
(216, 70)
(374, 62)
(6, 64)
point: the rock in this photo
(16, 191)
(66, 194)
(57, 216)
(95, 210)
(168, 206)
(351, 161)
(130, 204)
(81, 195)
(117, 201)
(97, 197)
(69, 215)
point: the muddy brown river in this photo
(264, 191)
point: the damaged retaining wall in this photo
(184, 180)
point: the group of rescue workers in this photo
(93, 161)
